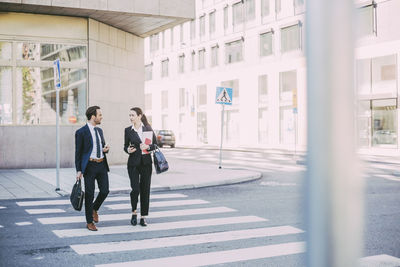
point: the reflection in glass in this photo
(36, 95)
(5, 95)
(384, 118)
(5, 50)
(50, 52)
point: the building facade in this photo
(100, 45)
(257, 47)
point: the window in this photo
(202, 26)
(5, 50)
(201, 59)
(182, 97)
(265, 8)
(266, 44)
(192, 29)
(164, 99)
(148, 72)
(31, 82)
(237, 13)
(193, 61)
(290, 38)
(299, 3)
(287, 84)
(377, 75)
(154, 42)
(234, 52)
(147, 102)
(384, 74)
(366, 21)
(212, 22)
(286, 119)
(5, 92)
(363, 72)
(202, 127)
(181, 68)
(262, 89)
(201, 95)
(164, 68)
(250, 10)
(181, 33)
(226, 18)
(214, 56)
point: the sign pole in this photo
(224, 96)
(57, 82)
(222, 135)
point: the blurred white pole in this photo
(333, 184)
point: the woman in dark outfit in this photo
(139, 162)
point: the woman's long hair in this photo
(144, 119)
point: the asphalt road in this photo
(274, 202)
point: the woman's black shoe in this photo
(143, 222)
(134, 219)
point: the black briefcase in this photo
(77, 195)
(160, 163)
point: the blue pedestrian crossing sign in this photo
(224, 96)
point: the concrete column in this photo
(333, 184)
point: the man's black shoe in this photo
(134, 219)
(143, 222)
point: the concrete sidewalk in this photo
(183, 174)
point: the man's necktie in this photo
(96, 130)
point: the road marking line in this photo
(1, 207)
(1, 226)
(44, 211)
(160, 204)
(107, 247)
(109, 199)
(127, 216)
(23, 223)
(158, 226)
(220, 257)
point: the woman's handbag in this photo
(160, 163)
(77, 195)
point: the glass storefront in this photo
(384, 119)
(377, 113)
(377, 123)
(31, 81)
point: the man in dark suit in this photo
(91, 163)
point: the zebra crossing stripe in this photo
(220, 257)
(183, 240)
(160, 204)
(158, 226)
(109, 199)
(127, 216)
(44, 211)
